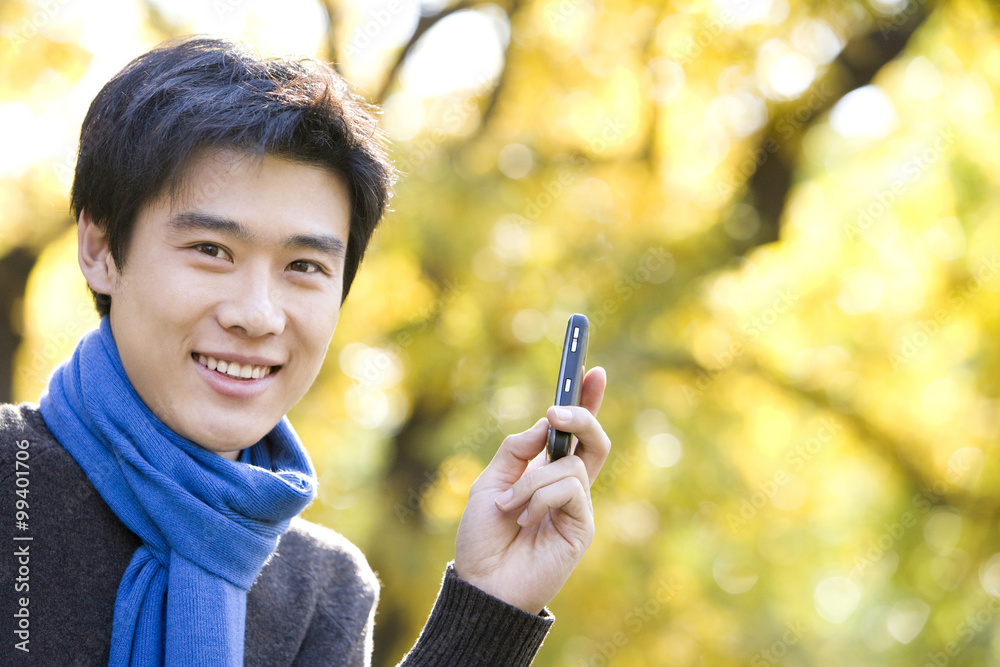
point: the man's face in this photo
(243, 271)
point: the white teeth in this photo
(233, 369)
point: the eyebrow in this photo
(323, 243)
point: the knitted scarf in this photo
(207, 524)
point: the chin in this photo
(217, 442)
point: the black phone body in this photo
(574, 355)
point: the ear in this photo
(95, 255)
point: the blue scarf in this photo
(208, 525)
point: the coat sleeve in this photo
(470, 627)
(466, 627)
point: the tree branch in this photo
(158, 21)
(332, 10)
(491, 104)
(425, 24)
(879, 440)
(856, 66)
(15, 268)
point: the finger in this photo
(592, 389)
(515, 453)
(533, 480)
(593, 446)
(567, 495)
(540, 460)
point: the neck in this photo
(232, 456)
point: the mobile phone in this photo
(574, 355)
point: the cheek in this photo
(316, 333)
(321, 337)
(150, 284)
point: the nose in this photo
(254, 306)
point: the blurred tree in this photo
(777, 214)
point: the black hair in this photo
(147, 123)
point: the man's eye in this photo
(212, 250)
(305, 266)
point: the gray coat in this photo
(313, 603)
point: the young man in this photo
(224, 204)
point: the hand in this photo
(529, 522)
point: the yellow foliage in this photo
(803, 398)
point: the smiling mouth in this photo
(233, 369)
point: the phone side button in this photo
(569, 383)
(573, 347)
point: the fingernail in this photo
(563, 413)
(505, 497)
(523, 519)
